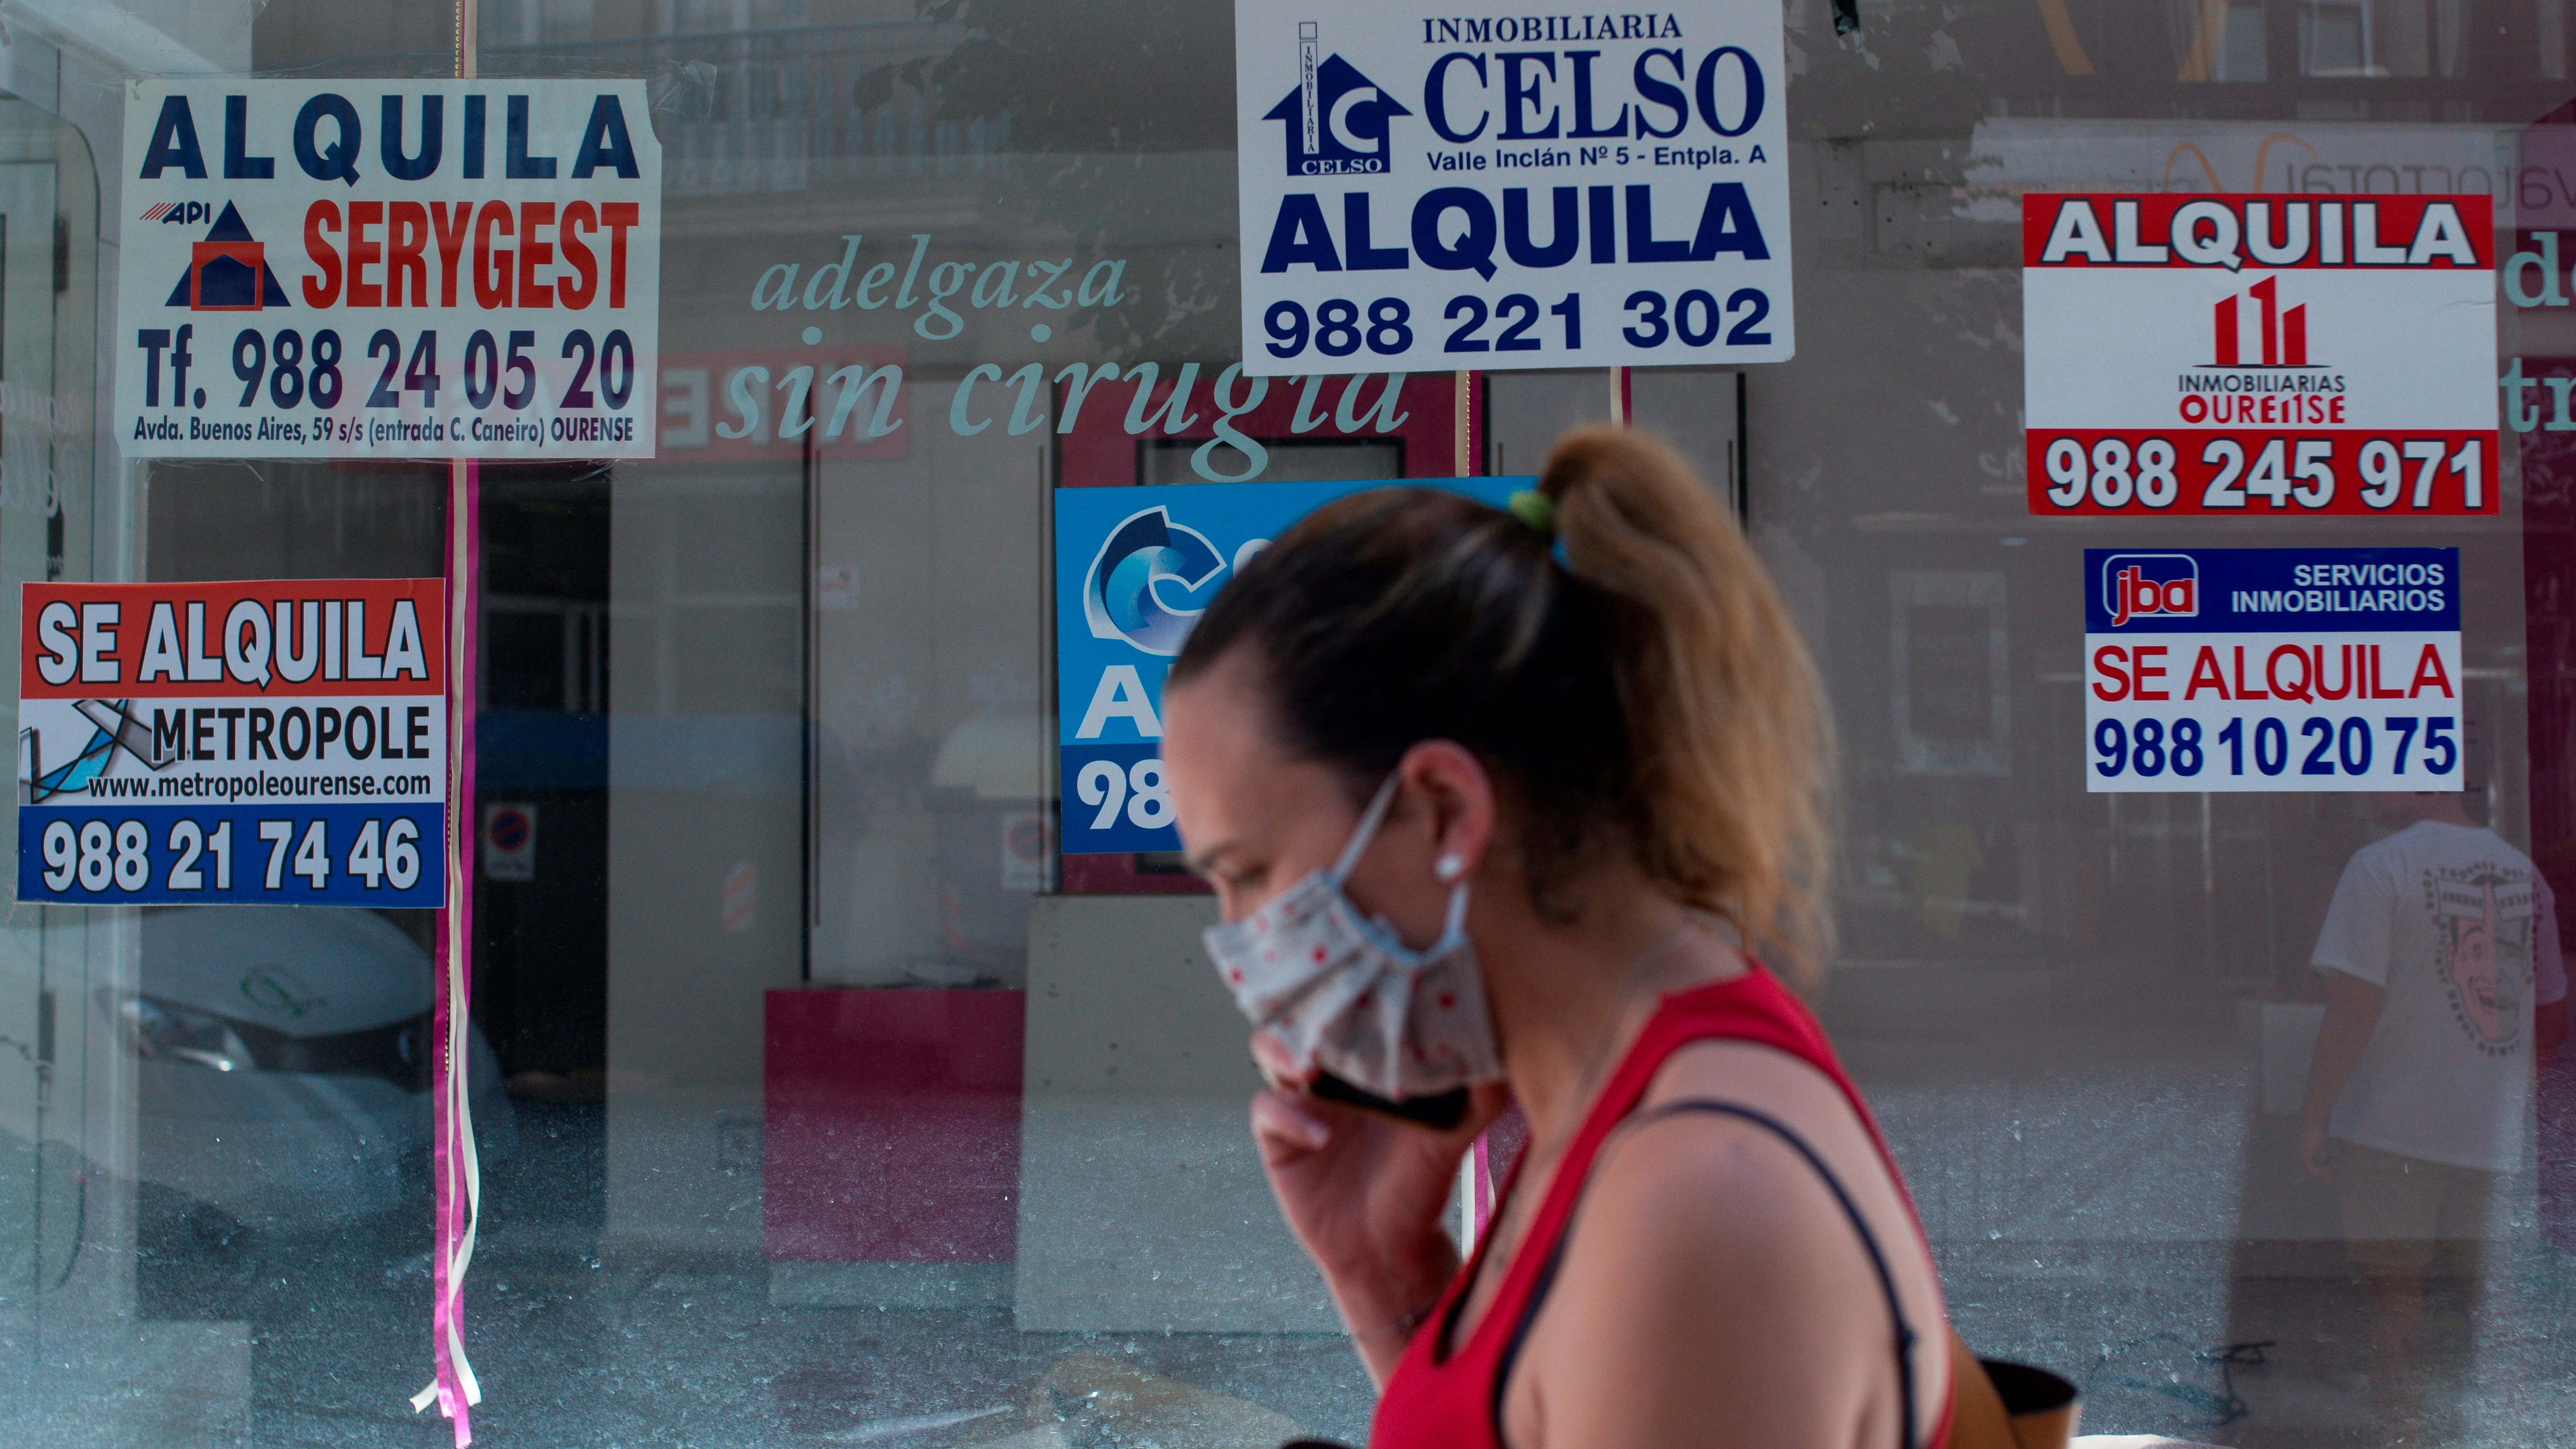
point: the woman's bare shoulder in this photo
(1709, 1265)
(1748, 1189)
(1746, 1073)
(1711, 1262)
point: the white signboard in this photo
(2271, 669)
(1429, 187)
(415, 269)
(2259, 355)
(256, 742)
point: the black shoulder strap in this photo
(1905, 1335)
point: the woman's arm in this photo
(2352, 1015)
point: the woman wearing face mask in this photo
(1491, 798)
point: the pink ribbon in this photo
(455, 1173)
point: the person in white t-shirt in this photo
(2440, 953)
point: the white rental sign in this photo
(414, 269)
(2266, 356)
(1435, 186)
(2272, 669)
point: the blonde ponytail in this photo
(1729, 745)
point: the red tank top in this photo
(1457, 1403)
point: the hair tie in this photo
(1535, 509)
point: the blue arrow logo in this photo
(1121, 592)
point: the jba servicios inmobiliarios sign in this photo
(2234, 669)
(388, 269)
(2266, 355)
(1427, 185)
(279, 742)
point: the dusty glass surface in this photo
(821, 1102)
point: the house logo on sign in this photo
(2150, 585)
(1337, 119)
(228, 271)
(2281, 334)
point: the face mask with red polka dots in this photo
(1343, 993)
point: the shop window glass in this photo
(824, 1097)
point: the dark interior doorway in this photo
(541, 779)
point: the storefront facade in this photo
(828, 1088)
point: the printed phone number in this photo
(1134, 791)
(99, 856)
(2187, 746)
(2096, 474)
(1116, 799)
(287, 369)
(1340, 327)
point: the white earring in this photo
(1449, 867)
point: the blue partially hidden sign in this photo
(1134, 568)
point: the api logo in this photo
(228, 271)
(1119, 598)
(1336, 117)
(2158, 585)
